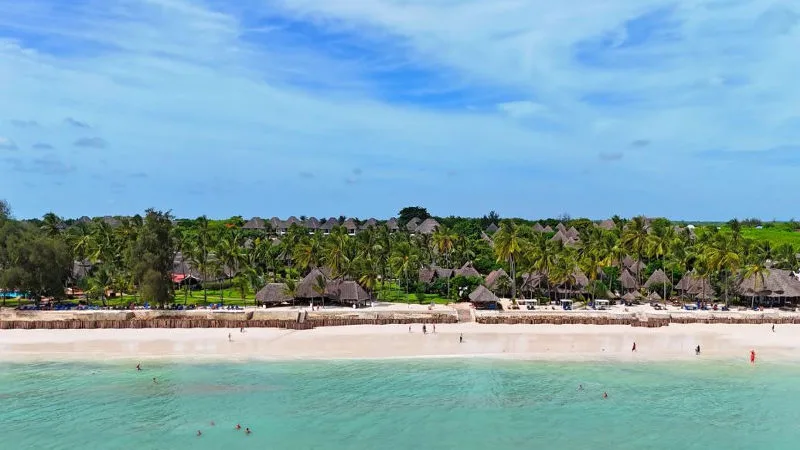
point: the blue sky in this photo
(686, 109)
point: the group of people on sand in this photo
(425, 331)
(238, 427)
(697, 350)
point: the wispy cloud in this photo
(24, 123)
(76, 123)
(91, 142)
(42, 146)
(320, 87)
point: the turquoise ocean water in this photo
(415, 404)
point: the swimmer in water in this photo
(238, 427)
(580, 387)
(212, 423)
(605, 394)
(154, 380)
(199, 433)
(752, 356)
(138, 367)
(247, 431)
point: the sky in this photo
(685, 109)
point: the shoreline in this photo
(557, 343)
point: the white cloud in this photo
(175, 83)
(7, 144)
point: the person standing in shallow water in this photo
(752, 356)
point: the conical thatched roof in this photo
(426, 274)
(538, 227)
(305, 289)
(350, 225)
(580, 278)
(607, 224)
(572, 233)
(413, 224)
(637, 267)
(547, 229)
(392, 224)
(371, 222)
(483, 295)
(654, 297)
(627, 261)
(629, 297)
(531, 281)
(627, 280)
(685, 282)
(657, 278)
(561, 227)
(560, 236)
(701, 286)
(494, 277)
(256, 223)
(492, 228)
(428, 226)
(467, 271)
(273, 293)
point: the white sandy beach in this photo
(538, 342)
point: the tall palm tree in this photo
(758, 271)
(444, 240)
(403, 260)
(507, 247)
(634, 239)
(319, 286)
(51, 224)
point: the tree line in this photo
(136, 255)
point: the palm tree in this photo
(51, 224)
(99, 283)
(758, 272)
(444, 240)
(634, 239)
(507, 246)
(403, 260)
(290, 289)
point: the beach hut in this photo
(428, 226)
(392, 225)
(537, 227)
(492, 228)
(774, 285)
(273, 294)
(369, 223)
(483, 298)
(412, 224)
(308, 287)
(628, 281)
(658, 278)
(351, 226)
(607, 225)
(572, 233)
(630, 297)
(311, 224)
(256, 223)
(467, 271)
(329, 225)
(560, 227)
(654, 297)
(347, 292)
(496, 278)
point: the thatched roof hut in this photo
(637, 267)
(347, 292)
(256, 223)
(685, 282)
(428, 226)
(467, 271)
(81, 269)
(429, 274)
(350, 225)
(561, 227)
(560, 236)
(654, 297)
(273, 294)
(572, 233)
(492, 228)
(628, 281)
(630, 297)
(627, 261)
(413, 224)
(369, 223)
(657, 278)
(305, 289)
(701, 286)
(580, 278)
(607, 224)
(494, 278)
(538, 227)
(312, 223)
(329, 224)
(483, 296)
(776, 283)
(392, 224)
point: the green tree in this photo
(507, 247)
(154, 252)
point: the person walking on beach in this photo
(633, 349)
(697, 350)
(434, 328)
(773, 327)
(139, 367)
(409, 328)
(229, 338)
(424, 329)
(461, 339)
(752, 356)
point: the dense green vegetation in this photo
(136, 256)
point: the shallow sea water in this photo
(400, 404)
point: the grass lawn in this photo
(775, 236)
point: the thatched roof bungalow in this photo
(495, 279)
(428, 226)
(347, 292)
(413, 224)
(628, 281)
(656, 279)
(393, 225)
(466, 271)
(273, 294)
(329, 225)
(256, 223)
(371, 222)
(547, 229)
(492, 228)
(773, 284)
(429, 274)
(537, 227)
(307, 287)
(483, 298)
(607, 225)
